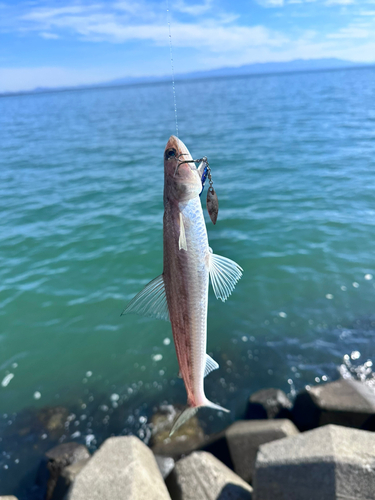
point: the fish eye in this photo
(171, 153)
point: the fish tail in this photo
(209, 404)
(185, 415)
(191, 411)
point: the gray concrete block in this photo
(201, 476)
(328, 463)
(268, 403)
(123, 467)
(217, 445)
(165, 465)
(8, 497)
(60, 457)
(245, 436)
(345, 402)
(66, 479)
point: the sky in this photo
(47, 43)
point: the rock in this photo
(8, 497)
(187, 438)
(66, 478)
(345, 402)
(71, 472)
(53, 419)
(201, 476)
(244, 438)
(218, 446)
(328, 463)
(54, 463)
(165, 465)
(268, 403)
(60, 457)
(123, 467)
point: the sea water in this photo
(81, 203)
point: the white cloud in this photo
(215, 34)
(271, 3)
(281, 3)
(353, 31)
(49, 13)
(49, 36)
(130, 7)
(192, 9)
(340, 2)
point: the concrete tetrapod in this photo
(245, 436)
(345, 402)
(201, 476)
(328, 463)
(123, 467)
(268, 403)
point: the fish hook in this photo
(199, 160)
(179, 162)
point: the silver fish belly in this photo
(190, 340)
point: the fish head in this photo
(182, 181)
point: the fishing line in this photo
(172, 66)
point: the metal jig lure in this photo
(212, 202)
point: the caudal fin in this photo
(191, 411)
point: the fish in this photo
(180, 293)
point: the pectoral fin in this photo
(224, 274)
(182, 239)
(151, 301)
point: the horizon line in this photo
(183, 77)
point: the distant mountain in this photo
(248, 69)
(298, 65)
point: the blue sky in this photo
(47, 43)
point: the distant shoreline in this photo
(184, 79)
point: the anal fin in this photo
(211, 365)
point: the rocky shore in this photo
(322, 447)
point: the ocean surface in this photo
(81, 203)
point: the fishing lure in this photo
(212, 201)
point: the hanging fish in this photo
(180, 293)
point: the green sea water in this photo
(81, 188)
